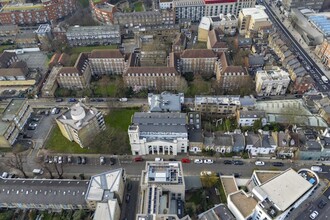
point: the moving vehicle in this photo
(37, 171)
(128, 197)
(324, 79)
(313, 215)
(259, 163)
(198, 161)
(208, 161)
(316, 169)
(123, 99)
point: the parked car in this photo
(236, 175)
(316, 169)
(129, 186)
(278, 164)
(32, 124)
(158, 159)
(69, 159)
(46, 160)
(138, 159)
(78, 160)
(238, 162)
(185, 160)
(128, 197)
(206, 173)
(59, 100)
(198, 161)
(172, 159)
(102, 160)
(228, 162)
(259, 163)
(72, 100)
(27, 136)
(112, 161)
(208, 161)
(55, 159)
(4, 175)
(57, 111)
(60, 159)
(313, 215)
(83, 160)
(36, 119)
(31, 128)
(321, 204)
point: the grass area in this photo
(120, 118)
(138, 7)
(104, 88)
(58, 143)
(90, 48)
(200, 45)
(222, 192)
(7, 214)
(6, 47)
(85, 3)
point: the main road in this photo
(315, 72)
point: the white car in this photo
(199, 161)
(259, 163)
(314, 215)
(208, 161)
(206, 173)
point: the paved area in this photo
(34, 60)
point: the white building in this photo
(165, 102)
(272, 82)
(227, 23)
(165, 4)
(188, 10)
(162, 191)
(158, 133)
(272, 195)
(247, 118)
(105, 194)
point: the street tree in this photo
(45, 166)
(17, 162)
(59, 169)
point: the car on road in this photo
(78, 160)
(83, 160)
(31, 128)
(228, 162)
(238, 162)
(198, 161)
(321, 204)
(129, 186)
(128, 198)
(278, 164)
(259, 163)
(102, 160)
(208, 161)
(112, 161)
(313, 215)
(59, 100)
(69, 159)
(236, 175)
(32, 124)
(138, 159)
(46, 160)
(100, 100)
(185, 160)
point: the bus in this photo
(324, 79)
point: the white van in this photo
(37, 171)
(316, 169)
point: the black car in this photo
(100, 100)
(238, 162)
(321, 204)
(59, 100)
(172, 159)
(278, 164)
(236, 175)
(129, 186)
(27, 136)
(128, 197)
(112, 161)
(78, 160)
(31, 128)
(228, 162)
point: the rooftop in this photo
(106, 54)
(227, 100)
(198, 53)
(12, 109)
(43, 191)
(265, 175)
(244, 203)
(164, 173)
(229, 184)
(43, 28)
(219, 211)
(257, 13)
(252, 114)
(165, 102)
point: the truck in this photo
(123, 99)
(324, 79)
(37, 171)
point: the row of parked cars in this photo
(65, 159)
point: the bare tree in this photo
(17, 162)
(45, 166)
(59, 170)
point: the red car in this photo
(138, 159)
(185, 160)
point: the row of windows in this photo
(151, 74)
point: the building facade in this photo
(81, 123)
(158, 133)
(76, 77)
(148, 18)
(247, 118)
(13, 119)
(107, 62)
(202, 61)
(272, 82)
(44, 36)
(93, 35)
(103, 11)
(312, 4)
(323, 52)
(30, 14)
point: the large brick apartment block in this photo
(30, 14)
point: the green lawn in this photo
(138, 7)
(120, 118)
(108, 90)
(58, 143)
(5, 47)
(85, 3)
(90, 48)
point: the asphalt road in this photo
(316, 72)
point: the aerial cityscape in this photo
(164, 109)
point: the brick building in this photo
(107, 62)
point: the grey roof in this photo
(12, 109)
(256, 60)
(165, 102)
(267, 141)
(253, 139)
(219, 211)
(153, 118)
(311, 145)
(223, 139)
(193, 182)
(43, 191)
(239, 140)
(163, 128)
(195, 135)
(247, 101)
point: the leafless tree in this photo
(17, 162)
(45, 166)
(59, 170)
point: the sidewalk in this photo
(309, 49)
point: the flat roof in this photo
(229, 184)
(243, 202)
(264, 175)
(12, 109)
(43, 191)
(286, 188)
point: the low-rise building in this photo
(162, 191)
(107, 62)
(165, 102)
(203, 29)
(219, 211)
(76, 77)
(105, 194)
(103, 11)
(147, 18)
(272, 82)
(50, 86)
(260, 144)
(81, 123)
(44, 36)
(13, 119)
(215, 41)
(247, 118)
(158, 133)
(93, 35)
(227, 23)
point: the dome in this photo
(77, 112)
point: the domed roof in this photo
(77, 112)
